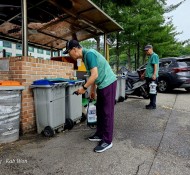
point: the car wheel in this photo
(187, 89)
(163, 85)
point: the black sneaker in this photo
(147, 106)
(150, 107)
(94, 138)
(102, 146)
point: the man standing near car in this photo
(151, 73)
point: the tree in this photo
(88, 44)
(144, 23)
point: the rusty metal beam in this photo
(27, 10)
(78, 16)
(61, 18)
(58, 14)
(73, 32)
(54, 22)
(54, 36)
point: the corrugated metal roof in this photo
(52, 22)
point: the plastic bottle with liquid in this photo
(91, 113)
(153, 86)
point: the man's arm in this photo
(91, 81)
(155, 70)
(92, 78)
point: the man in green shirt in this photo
(102, 76)
(151, 73)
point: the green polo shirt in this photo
(92, 59)
(152, 59)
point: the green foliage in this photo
(144, 23)
(124, 2)
(89, 44)
(173, 6)
(185, 50)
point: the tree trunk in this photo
(135, 61)
(144, 57)
(129, 57)
(138, 54)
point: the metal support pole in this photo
(24, 28)
(51, 52)
(105, 46)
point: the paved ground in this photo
(146, 142)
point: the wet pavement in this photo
(146, 142)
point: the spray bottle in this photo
(153, 86)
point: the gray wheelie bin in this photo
(10, 106)
(73, 103)
(120, 91)
(49, 98)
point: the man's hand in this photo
(154, 77)
(81, 90)
(93, 91)
(92, 95)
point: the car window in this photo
(183, 63)
(164, 64)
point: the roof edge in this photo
(93, 4)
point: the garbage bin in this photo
(120, 90)
(73, 103)
(49, 98)
(10, 106)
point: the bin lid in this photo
(65, 80)
(9, 83)
(43, 82)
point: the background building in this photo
(15, 49)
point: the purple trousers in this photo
(105, 112)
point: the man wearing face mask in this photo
(151, 73)
(102, 76)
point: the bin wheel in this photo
(69, 124)
(48, 131)
(83, 118)
(93, 126)
(121, 99)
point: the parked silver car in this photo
(174, 72)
